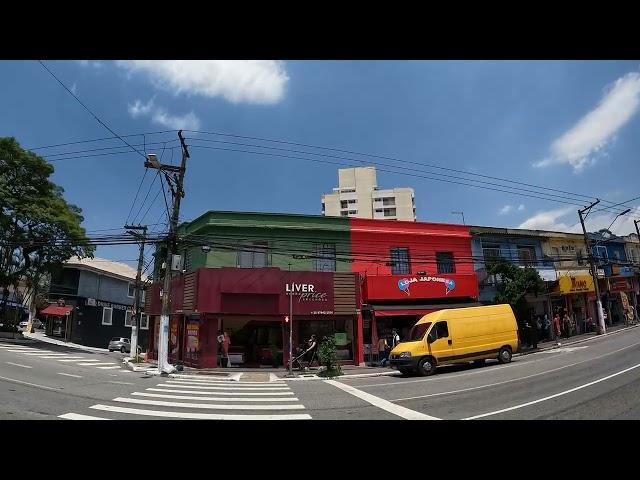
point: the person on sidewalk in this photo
(383, 351)
(536, 325)
(226, 343)
(556, 327)
(395, 338)
(546, 325)
(566, 325)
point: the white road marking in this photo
(210, 406)
(77, 359)
(555, 395)
(46, 354)
(224, 382)
(495, 369)
(563, 350)
(95, 364)
(200, 416)
(27, 383)
(77, 416)
(257, 394)
(66, 357)
(20, 349)
(109, 368)
(208, 387)
(121, 383)
(69, 375)
(39, 352)
(19, 365)
(403, 412)
(216, 399)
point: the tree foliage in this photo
(39, 230)
(329, 358)
(514, 283)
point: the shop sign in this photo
(626, 272)
(448, 283)
(306, 292)
(578, 284)
(620, 285)
(115, 306)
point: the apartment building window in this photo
(348, 190)
(445, 262)
(389, 212)
(343, 204)
(400, 263)
(128, 320)
(107, 316)
(378, 210)
(325, 260)
(491, 254)
(351, 202)
(389, 201)
(144, 322)
(526, 256)
(132, 289)
(343, 214)
(353, 212)
(254, 256)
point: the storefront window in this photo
(341, 330)
(193, 346)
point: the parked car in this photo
(120, 343)
(37, 323)
(23, 325)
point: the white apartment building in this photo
(357, 195)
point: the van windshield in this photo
(418, 331)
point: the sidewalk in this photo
(42, 337)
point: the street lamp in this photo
(460, 213)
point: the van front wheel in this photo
(504, 356)
(427, 366)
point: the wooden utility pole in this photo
(136, 314)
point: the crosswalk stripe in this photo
(108, 368)
(225, 382)
(60, 358)
(17, 348)
(78, 416)
(200, 416)
(46, 354)
(222, 387)
(75, 359)
(26, 352)
(216, 399)
(95, 363)
(161, 403)
(243, 393)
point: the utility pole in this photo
(290, 324)
(178, 193)
(137, 292)
(594, 272)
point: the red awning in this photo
(56, 310)
(396, 313)
(416, 310)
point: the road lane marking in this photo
(27, 383)
(109, 368)
(202, 387)
(256, 394)
(77, 416)
(77, 359)
(95, 363)
(490, 370)
(403, 412)
(216, 399)
(515, 407)
(46, 354)
(19, 365)
(69, 375)
(66, 357)
(121, 383)
(200, 416)
(210, 406)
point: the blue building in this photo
(521, 247)
(93, 302)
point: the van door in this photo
(440, 342)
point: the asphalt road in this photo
(596, 379)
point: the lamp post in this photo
(290, 324)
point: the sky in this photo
(567, 125)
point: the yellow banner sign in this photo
(578, 284)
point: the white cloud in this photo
(160, 116)
(506, 209)
(510, 208)
(581, 144)
(238, 81)
(74, 89)
(566, 220)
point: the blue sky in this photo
(565, 125)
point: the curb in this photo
(341, 377)
(562, 344)
(132, 367)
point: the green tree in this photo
(328, 357)
(39, 230)
(513, 284)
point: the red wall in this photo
(371, 241)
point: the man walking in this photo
(383, 351)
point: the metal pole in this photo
(594, 273)
(163, 340)
(136, 296)
(290, 323)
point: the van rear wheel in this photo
(504, 356)
(427, 366)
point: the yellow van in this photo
(458, 335)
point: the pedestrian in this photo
(310, 352)
(383, 348)
(547, 327)
(226, 343)
(566, 325)
(395, 338)
(556, 327)
(220, 340)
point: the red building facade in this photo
(409, 269)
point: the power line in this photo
(88, 110)
(101, 139)
(136, 197)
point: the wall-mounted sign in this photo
(578, 284)
(91, 302)
(306, 292)
(116, 306)
(626, 272)
(448, 283)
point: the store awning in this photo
(56, 310)
(399, 310)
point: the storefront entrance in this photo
(254, 343)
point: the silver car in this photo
(120, 343)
